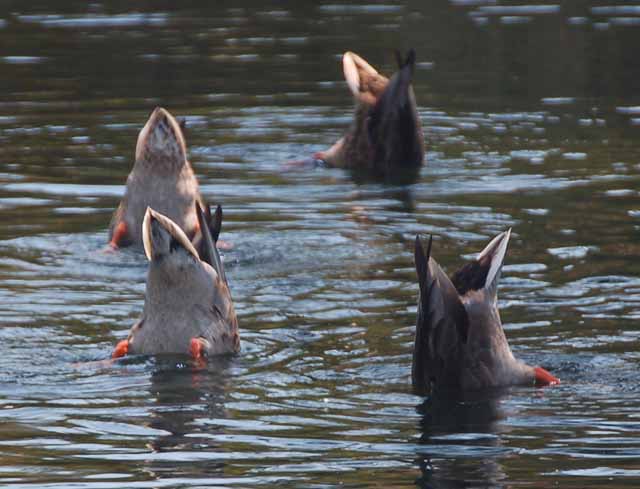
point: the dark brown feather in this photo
(442, 326)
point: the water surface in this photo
(531, 118)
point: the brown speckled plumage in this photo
(161, 178)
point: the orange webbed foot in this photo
(119, 235)
(543, 377)
(196, 349)
(122, 348)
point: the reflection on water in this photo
(531, 116)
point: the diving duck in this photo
(460, 343)
(188, 307)
(385, 141)
(161, 178)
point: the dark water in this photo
(531, 115)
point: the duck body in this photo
(385, 141)
(162, 178)
(460, 344)
(188, 307)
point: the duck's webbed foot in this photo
(198, 348)
(121, 349)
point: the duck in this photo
(460, 343)
(188, 307)
(161, 178)
(385, 141)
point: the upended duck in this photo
(161, 178)
(460, 344)
(385, 141)
(188, 307)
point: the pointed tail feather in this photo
(442, 325)
(208, 250)
(216, 223)
(410, 60)
(422, 260)
(484, 272)
(495, 251)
